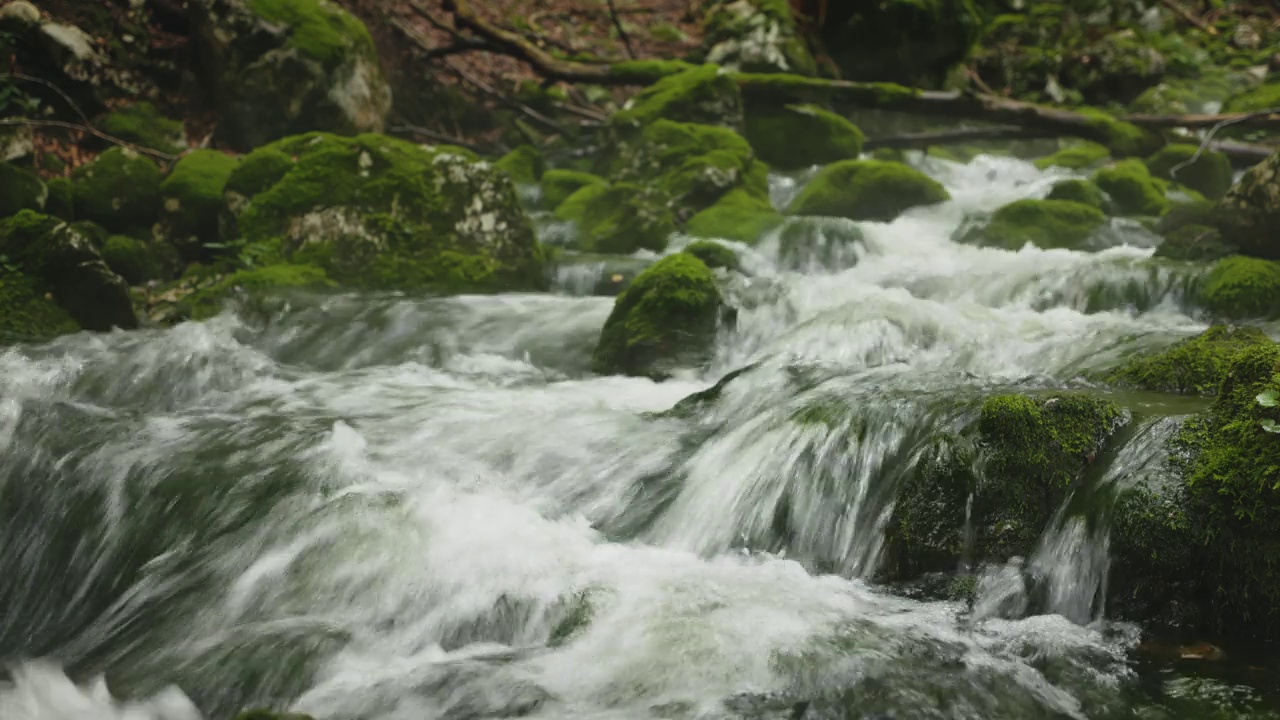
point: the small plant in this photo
(1270, 398)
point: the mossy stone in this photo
(61, 202)
(192, 195)
(209, 301)
(138, 261)
(1196, 243)
(558, 185)
(20, 189)
(1080, 156)
(144, 126)
(666, 318)
(26, 314)
(743, 214)
(714, 255)
(867, 190)
(1132, 189)
(1079, 191)
(705, 95)
(618, 218)
(119, 191)
(1249, 214)
(926, 532)
(1210, 173)
(800, 136)
(1194, 366)
(525, 165)
(1240, 288)
(1046, 224)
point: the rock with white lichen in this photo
(376, 212)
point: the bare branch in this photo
(622, 33)
(9, 122)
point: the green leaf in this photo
(1270, 426)
(1268, 399)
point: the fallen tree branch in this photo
(921, 141)
(1270, 116)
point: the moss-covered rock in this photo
(558, 185)
(743, 214)
(1033, 449)
(667, 318)
(1078, 191)
(800, 136)
(618, 218)
(914, 42)
(813, 243)
(926, 532)
(1122, 139)
(1240, 287)
(705, 95)
(62, 199)
(1196, 243)
(1209, 175)
(20, 189)
(281, 67)
(756, 36)
(204, 300)
(525, 165)
(139, 261)
(867, 190)
(714, 255)
(63, 262)
(1132, 189)
(144, 126)
(1080, 156)
(1194, 366)
(26, 314)
(377, 212)
(192, 199)
(119, 191)
(1044, 223)
(1249, 214)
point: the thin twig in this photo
(587, 113)
(51, 86)
(1189, 16)
(622, 33)
(440, 137)
(1208, 139)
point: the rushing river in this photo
(372, 507)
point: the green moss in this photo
(143, 125)
(119, 191)
(558, 185)
(1132, 189)
(192, 193)
(1033, 450)
(666, 32)
(1209, 175)
(782, 88)
(739, 215)
(704, 95)
(618, 218)
(1263, 97)
(137, 261)
(524, 165)
(714, 255)
(1240, 287)
(654, 70)
(61, 202)
(867, 190)
(690, 165)
(319, 30)
(1121, 138)
(668, 316)
(1193, 366)
(20, 189)
(1043, 223)
(259, 170)
(799, 136)
(26, 314)
(1197, 243)
(1249, 214)
(1076, 157)
(926, 532)
(208, 301)
(1078, 191)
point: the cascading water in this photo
(385, 508)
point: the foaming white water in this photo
(40, 691)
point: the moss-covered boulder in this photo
(119, 191)
(666, 319)
(1078, 156)
(203, 295)
(800, 136)
(377, 212)
(744, 213)
(867, 190)
(525, 165)
(618, 218)
(1194, 366)
(1078, 191)
(1132, 189)
(1196, 243)
(1209, 174)
(144, 126)
(61, 202)
(20, 189)
(282, 67)
(714, 255)
(1044, 223)
(1249, 214)
(1033, 449)
(558, 185)
(926, 532)
(139, 261)
(1240, 288)
(26, 311)
(191, 199)
(756, 36)
(913, 42)
(63, 263)
(704, 95)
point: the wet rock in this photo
(618, 218)
(926, 532)
(120, 190)
(756, 36)
(1043, 223)
(867, 190)
(1242, 288)
(1207, 172)
(1249, 214)
(280, 68)
(704, 95)
(800, 136)
(1194, 366)
(1132, 189)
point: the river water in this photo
(376, 507)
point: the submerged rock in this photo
(867, 190)
(667, 318)
(1044, 223)
(282, 67)
(377, 212)
(1194, 366)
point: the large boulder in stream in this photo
(867, 190)
(1043, 223)
(53, 280)
(120, 191)
(666, 318)
(800, 136)
(1250, 212)
(1242, 288)
(282, 67)
(376, 212)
